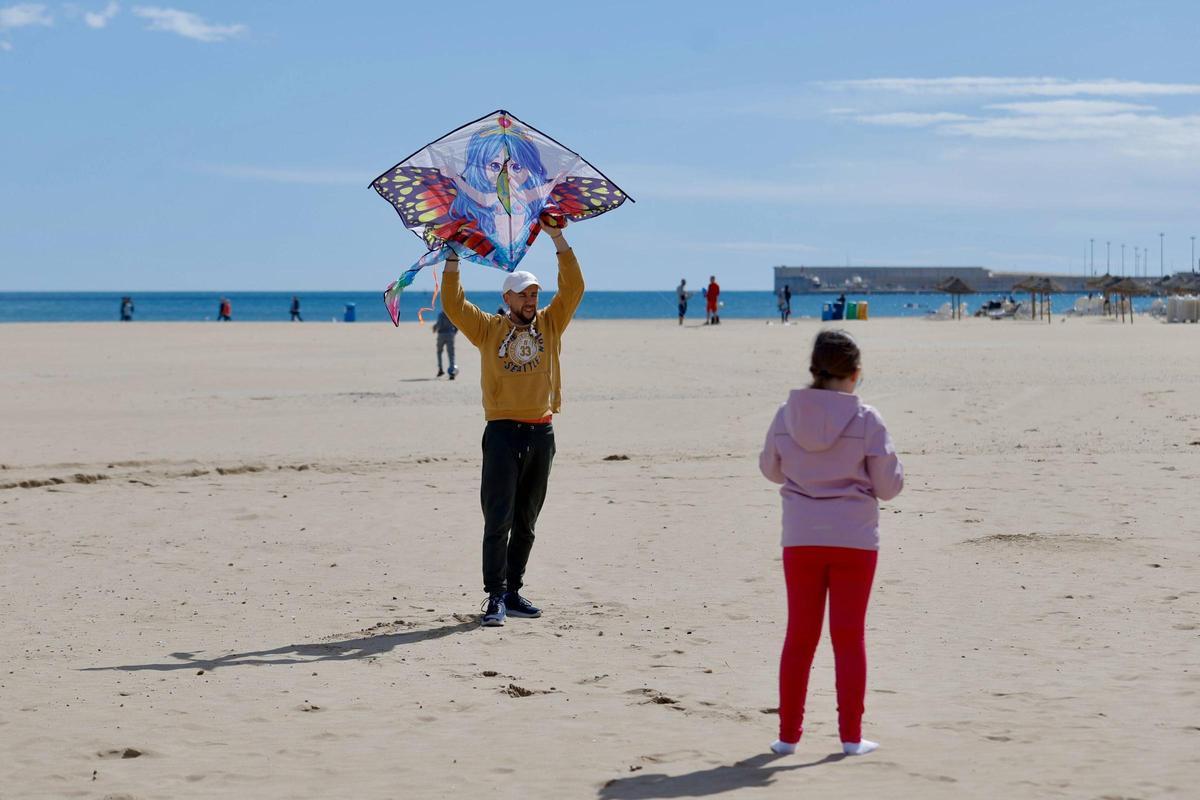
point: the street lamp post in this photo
(1092, 250)
(1192, 266)
(1160, 255)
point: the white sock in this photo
(859, 748)
(783, 748)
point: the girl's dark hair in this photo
(835, 356)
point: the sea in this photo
(369, 307)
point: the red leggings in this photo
(845, 574)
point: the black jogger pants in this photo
(516, 466)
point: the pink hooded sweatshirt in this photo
(835, 460)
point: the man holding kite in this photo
(483, 193)
(521, 381)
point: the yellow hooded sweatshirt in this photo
(519, 370)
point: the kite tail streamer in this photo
(391, 299)
(432, 300)
(391, 295)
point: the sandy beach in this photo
(243, 561)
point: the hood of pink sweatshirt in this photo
(835, 461)
(817, 418)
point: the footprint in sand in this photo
(593, 679)
(124, 752)
(658, 698)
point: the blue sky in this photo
(228, 146)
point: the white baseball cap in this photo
(519, 281)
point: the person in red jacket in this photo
(712, 314)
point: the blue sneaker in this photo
(520, 607)
(493, 611)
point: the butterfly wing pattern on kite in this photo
(479, 192)
(580, 198)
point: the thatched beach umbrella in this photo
(956, 287)
(1179, 283)
(1039, 287)
(1027, 285)
(1100, 282)
(1103, 284)
(1048, 287)
(1127, 288)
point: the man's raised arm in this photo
(570, 282)
(465, 315)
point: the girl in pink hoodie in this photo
(835, 460)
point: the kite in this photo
(485, 189)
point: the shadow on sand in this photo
(752, 773)
(347, 650)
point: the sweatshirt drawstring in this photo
(512, 331)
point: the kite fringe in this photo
(432, 300)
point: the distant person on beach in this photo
(787, 301)
(225, 310)
(782, 304)
(683, 294)
(445, 331)
(836, 461)
(126, 309)
(520, 377)
(296, 309)
(712, 314)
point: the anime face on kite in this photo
(479, 192)
(502, 188)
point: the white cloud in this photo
(314, 177)
(912, 119)
(101, 19)
(1113, 127)
(1035, 86)
(24, 15)
(1143, 136)
(1071, 108)
(1050, 128)
(187, 24)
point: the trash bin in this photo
(852, 310)
(350, 313)
(862, 309)
(826, 312)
